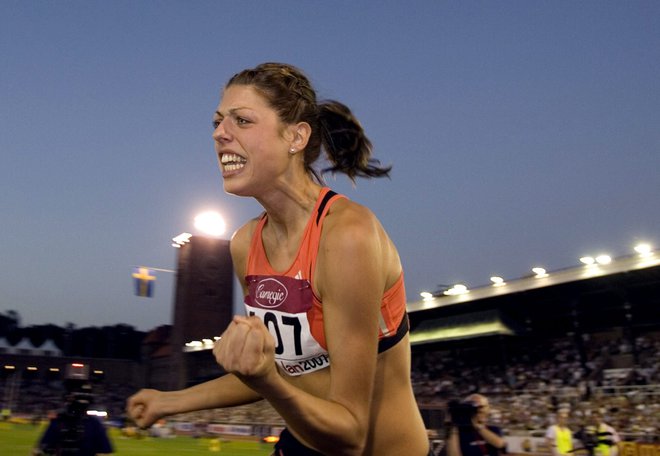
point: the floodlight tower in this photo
(203, 305)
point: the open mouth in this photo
(232, 162)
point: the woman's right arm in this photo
(148, 405)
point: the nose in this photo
(220, 133)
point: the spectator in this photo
(559, 435)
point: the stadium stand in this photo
(588, 343)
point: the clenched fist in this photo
(146, 407)
(246, 349)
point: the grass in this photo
(19, 439)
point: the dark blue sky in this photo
(521, 134)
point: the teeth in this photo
(231, 158)
(232, 162)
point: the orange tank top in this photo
(293, 314)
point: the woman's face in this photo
(250, 141)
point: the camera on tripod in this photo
(71, 427)
(462, 412)
(78, 389)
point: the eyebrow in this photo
(231, 111)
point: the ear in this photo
(301, 133)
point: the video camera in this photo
(78, 389)
(462, 412)
(71, 426)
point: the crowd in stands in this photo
(538, 380)
(526, 384)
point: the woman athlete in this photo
(325, 336)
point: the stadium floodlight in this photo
(194, 344)
(181, 239)
(199, 345)
(211, 223)
(643, 249)
(497, 281)
(603, 259)
(540, 272)
(426, 295)
(588, 260)
(457, 289)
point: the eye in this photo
(216, 123)
(241, 121)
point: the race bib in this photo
(282, 303)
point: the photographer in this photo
(469, 435)
(73, 432)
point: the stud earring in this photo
(292, 150)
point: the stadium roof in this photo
(625, 292)
(476, 324)
(585, 272)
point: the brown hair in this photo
(334, 127)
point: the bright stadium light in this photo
(181, 239)
(603, 259)
(540, 272)
(457, 289)
(497, 281)
(588, 260)
(211, 223)
(643, 249)
(426, 295)
(199, 345)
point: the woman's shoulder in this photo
(347, 213)
(350, 225)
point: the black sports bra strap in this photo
(388, 342)
(324, 202)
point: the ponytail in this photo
(345, 143)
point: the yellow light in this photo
(426, 295)
(54, 369)
(31, 368)
(9, 367)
